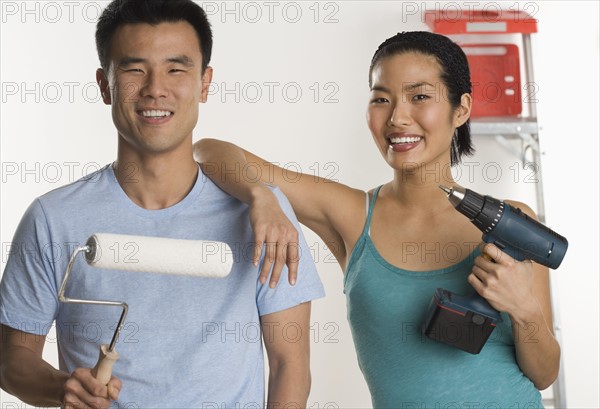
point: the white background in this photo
(54, 130)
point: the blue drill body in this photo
(515, 233)
(467, 321)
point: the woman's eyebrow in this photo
(415, 85)
(380, 88)
(409, 86)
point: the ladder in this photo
(495, 73)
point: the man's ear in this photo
(463, 112)
(102, 80)
(206, 80)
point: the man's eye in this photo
(379, 100)
(136, 70)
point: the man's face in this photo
(154, 85)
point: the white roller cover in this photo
(160, 255)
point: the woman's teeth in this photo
(405, 139)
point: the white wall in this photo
(54, 130)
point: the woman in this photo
(418, 115)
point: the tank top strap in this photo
(359, 248)
(371, 205)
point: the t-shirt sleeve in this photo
(28, 290)
(308, 286)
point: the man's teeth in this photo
(406, 139)
(156, 114)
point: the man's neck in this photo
(156, 182)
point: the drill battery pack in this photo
(464, 322)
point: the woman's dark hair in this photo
(154, 12)
(455, 74)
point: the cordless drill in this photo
(466, 322)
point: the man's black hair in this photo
(154, 12)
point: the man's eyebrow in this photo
(178, 59)
(181, 59)
(130, 60)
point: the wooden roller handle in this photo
(103, 369)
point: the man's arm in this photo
(24, 374)
(287, 341)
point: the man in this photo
(187, 342)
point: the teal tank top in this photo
(403, 368)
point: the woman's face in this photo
(409, 114)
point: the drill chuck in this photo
(515, 233)
(465, 201)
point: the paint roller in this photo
(197, 258)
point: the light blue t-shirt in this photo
(403, 368)
(187, 342)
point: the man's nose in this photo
(155, 86)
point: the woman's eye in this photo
(420, 97)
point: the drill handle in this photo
(477, 303)
(504, 246)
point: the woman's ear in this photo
(463, 112)
(102, 81)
